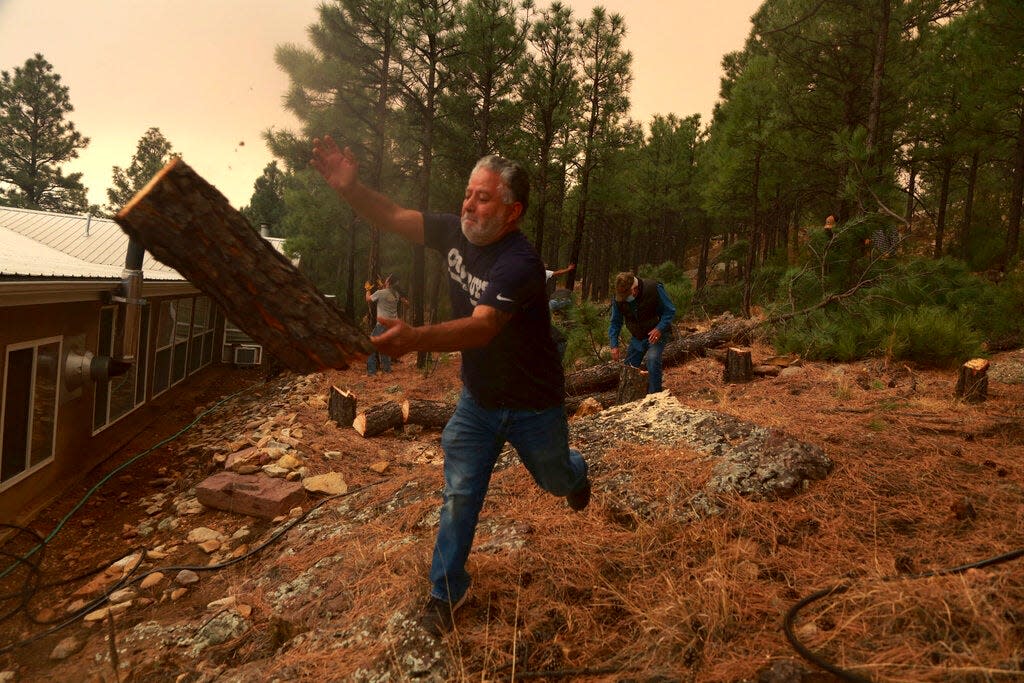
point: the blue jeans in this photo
(372, 359)
(635, 356)
(472, 442)
(559, 304)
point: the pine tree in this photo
(551, 98)
(266, 206)
(36, 138)
(606, 81)
(152, 152)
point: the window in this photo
(162, 356)
(182, 334)
(29, 409)
(120, 395)
(173, 334)
(202, 321)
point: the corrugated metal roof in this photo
(22, 256)
(93, 240)
(69, 243)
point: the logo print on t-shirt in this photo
(471, 285)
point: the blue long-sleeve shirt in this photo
(668, 313)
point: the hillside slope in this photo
(639, 587)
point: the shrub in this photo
(586, 331)
(933, 312)
(677, 284)
(932, 335)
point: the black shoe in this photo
(438, 616)
(579, 499)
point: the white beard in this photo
(481, 234)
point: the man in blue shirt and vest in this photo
(513, 383)
(644, 307)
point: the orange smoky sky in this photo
(203, 71)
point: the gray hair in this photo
(515, 183)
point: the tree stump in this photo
(738, 365)
(378, 419)
(341, 407)
(972, 384)
(187, 224)
(632, 384)
(428, 414)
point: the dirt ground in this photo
(921, 482)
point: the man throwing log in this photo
(513, 383)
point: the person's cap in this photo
(624, 283)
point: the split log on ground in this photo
(738, 365)
(429, 414)
(378, 419)
(603, 377)
(341, 407)
(766, 370)
(632, 384)
(187, 224)
(972, 383)
(607, 399)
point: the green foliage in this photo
(932, 312)
(36, 138)
(932, 335)
(717, 298)
(677, 284)
(586, 332)
(151, 153)
(267, 207)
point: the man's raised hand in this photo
(338, 166)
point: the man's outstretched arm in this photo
(471, 332)
(341, 171)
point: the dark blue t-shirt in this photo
(520, 367)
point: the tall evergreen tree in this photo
(427, 42)
(483, 109)
(551, 98)
(151, 153)
(347, 87)
(36, 138)
(606, 80)
(266, 206)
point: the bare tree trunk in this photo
(940, 220)
(705, 250)
(1016, 195)
(878, 75)
(965, 230)
(911, 198)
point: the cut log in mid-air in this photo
(187, 224)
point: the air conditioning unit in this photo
(246, 355)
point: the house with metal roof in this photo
(86, 338)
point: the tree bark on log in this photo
(972, 383)
(428, 414)
(341, 407)
(766, 370)
(378, 419)
(603, 377)
(632, 384)
(184, 222)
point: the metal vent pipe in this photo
(131, 295)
